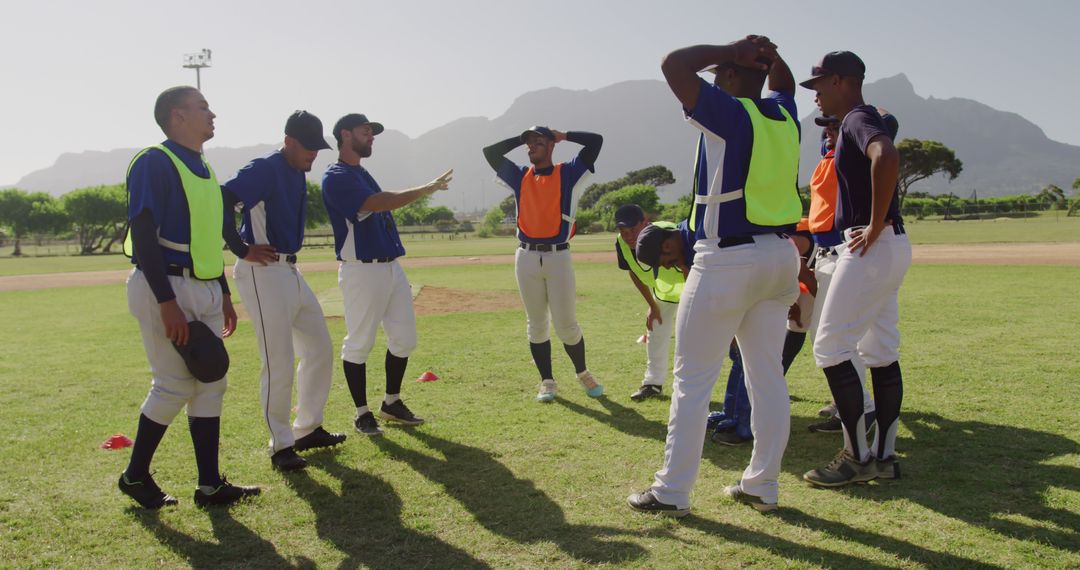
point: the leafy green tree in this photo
(655, 176)
(678, 211)
(316, 209)
(99, 215)
(17, 213)
(1075, 207)
(414, 213)
(1054, 196)
(48, 217)
(509, 206)
(921, 159)
(643, 195)
(439, 215)
(492, 220)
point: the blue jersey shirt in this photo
(723, 157)
(573, 175)
(689, 238)
(154, 184)
(274, 195)
(358, 234)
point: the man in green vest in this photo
(659, 286)
(177, 291)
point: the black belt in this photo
(378, 260)
(732, 241)
(288, 258)
(544, 246)
(178, 271)
(898, 229)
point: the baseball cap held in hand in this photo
(204, 354)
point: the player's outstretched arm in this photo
(386, 201)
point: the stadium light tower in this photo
(197, 61)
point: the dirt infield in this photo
(956, 254)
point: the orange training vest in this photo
(540, 204)
(823, 195)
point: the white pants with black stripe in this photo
(374, 294)
(742, 292)
(289, 324)
(546, 283)
(173, 386)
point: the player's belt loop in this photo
(289, 258)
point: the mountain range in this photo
(1002, 152)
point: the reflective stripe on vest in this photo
(540, 213)
(823, 195)
(771, 190)
(206, 215)
(666, 284)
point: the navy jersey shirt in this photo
(689, 238)
(861, 124)
(358, 234)
(274, 195)
(723, 157)
(154, 184)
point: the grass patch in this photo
(988, 442)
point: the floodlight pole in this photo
(197, 61)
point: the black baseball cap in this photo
(353, 120)
(538, 130)
(649, 243)
(826, 120)
(204, 354)
(836, 63)
(307, 129)
(628, 216)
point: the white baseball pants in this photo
(824, 269)
(172, 385)
(860, 316)
(546, 283)
(376, 293)
(743, 292)
(656, 370)
(288, 323)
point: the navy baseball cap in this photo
(628, 216)
(353, 120)
(537, 130)
(204, 354)
(307, 129)
(826, 120)
(649, 243)
(842, 63)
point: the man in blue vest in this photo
(373, 284)
(744, 276)
(176, 217)
(287, 317)
(546, 195)
(861, 315)
(659, 286)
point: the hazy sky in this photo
(83, 75)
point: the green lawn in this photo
(988, 441)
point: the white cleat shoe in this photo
(593, 388)
(547, 391)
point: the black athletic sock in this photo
(356, 378)
(577, 355)
(847, 393)
(147, 440)
(793, 344)
(541, 353)
(888, 395)
(395, 372)
(205, 435)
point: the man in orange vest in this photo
(546, 194)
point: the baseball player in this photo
(373, 284)
(546, 196)
(744, 276)
(860, 313)
(659, 286)
(175, 241)
(286, 315)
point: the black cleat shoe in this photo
(225, 494)
(888, 468)
(287, 460)
(831, 425)
(729, 437)
(646, 502)
(146, 492)
(367, 425)
(736, 492)
(318, 438)
(399, 412)
(646, 391)
(842, 470)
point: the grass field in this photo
(988, 441)
(1046, 228)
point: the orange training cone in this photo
(118, 441)
(428, 376)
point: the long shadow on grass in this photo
(236, 544)
(984, 474)
(364, 522)
(506, 505)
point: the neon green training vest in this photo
(206, 217)
(772, 198)
(666, 284)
